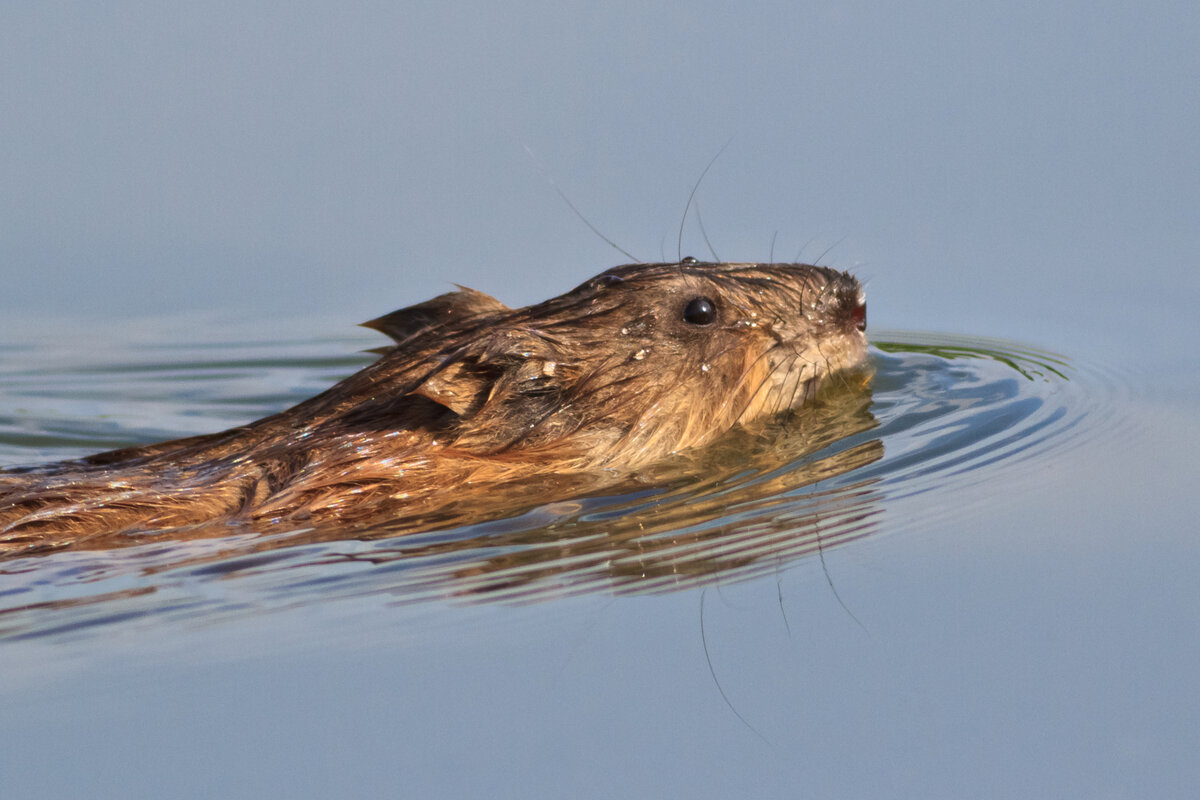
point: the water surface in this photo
(941, 412)
(854, 578)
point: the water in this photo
(942, 413)
(911, 590)
(1015, 612)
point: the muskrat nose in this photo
(859, 314)
(858, 310)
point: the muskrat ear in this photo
(508, 364)
(520, 406)
(459, 386)
(408, 322)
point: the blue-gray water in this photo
(917, 607)
(941, 413)
(198, 200)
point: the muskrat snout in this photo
(858, 312)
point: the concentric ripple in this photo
(940, 413)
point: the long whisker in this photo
(798, 382)
(803, 247)
(827, 249)
(704, 233)
(725, 697)
(692, 196)
(554, 185)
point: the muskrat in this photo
(640, 362)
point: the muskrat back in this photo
(642, 361)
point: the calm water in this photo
(977, 581)
(942, 413)
(908, 590)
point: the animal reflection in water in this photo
(743, 507)
(693, 382)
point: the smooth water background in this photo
(1024, 171)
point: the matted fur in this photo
(477, 397)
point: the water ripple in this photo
(941, 413)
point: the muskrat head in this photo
(640, 361)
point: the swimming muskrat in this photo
(640, 362)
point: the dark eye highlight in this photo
(700, 311)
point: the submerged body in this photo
(475, 398)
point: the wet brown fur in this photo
(475, 396)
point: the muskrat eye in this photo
(700, 311)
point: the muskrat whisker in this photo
(704, 233)
(691, 196)
(802, 388)
(554, 185)
(798, 381)
(828, 360)
(779, 596)
(827, 249)
(776, 392)
(717, 683)
(816, 523)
